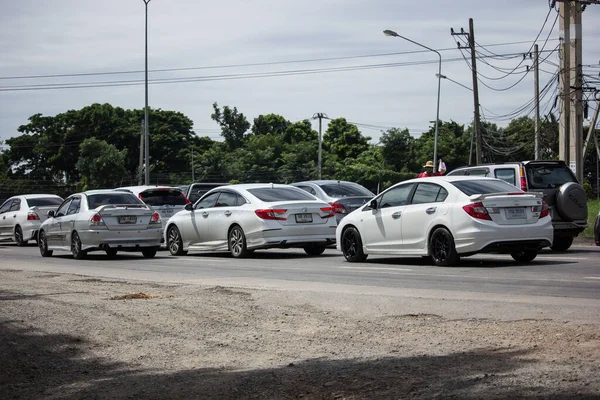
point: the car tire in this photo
(352, 247)
(76, 250)
(525, 255)
(314, 249)
(19, 237)
(43, 245)
(237, 242)
(175, 242)
(442, 248)
(111, 253)
(561, 243)
(149, 252)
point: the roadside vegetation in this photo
(593, 208)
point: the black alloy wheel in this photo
(442, 248)
(352, 247)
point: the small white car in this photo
(21, 216)
(446, 218)
(246, 217)
(108, 220)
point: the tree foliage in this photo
(100, 164)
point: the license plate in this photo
(515, 213)
(128, 219)
(167, 212)
(303, 218)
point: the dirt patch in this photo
(61, 339)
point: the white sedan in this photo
(108, 220)
(446, 218)
(245, 217)
(21, 216)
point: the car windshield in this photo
(102, 199)
(484, 186)
(548, 176)
(44, 201)
(161, 197)
(280, 194)
(342, 189)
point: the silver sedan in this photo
(246, 217)
(21, 216)
(106, 220)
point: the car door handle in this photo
(397, 214)
(431, 210)
(205, 214)
(227, 213)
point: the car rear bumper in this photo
(30, 229)
(120, 240)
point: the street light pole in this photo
(439, 75)
(146, 134)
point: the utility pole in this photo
(146, 133)
(536, 84)
(564, 81)
(141, 163)
(476, 118)
(576, 91)
(320, 116)
(193, 178)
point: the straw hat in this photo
(428, 164)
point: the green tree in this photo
(234, 125)
(344, 140)
(100, 164)
(397, 149)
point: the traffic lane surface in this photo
(574, 274)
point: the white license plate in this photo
(303, 218)
(129, 219)
(516, 213)
(166, 212)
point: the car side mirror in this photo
(189, 207)
(373, 204)
(50, 214)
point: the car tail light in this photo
(477, 210)
(31, 216)
(187, 201)
(338, 208)
(522, 179)
(545, 210)
(155, 219)
(271, 214)
(329, 211)
(96, 220)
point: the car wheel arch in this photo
(430, 233)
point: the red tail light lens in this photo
(522, 179)
(155, 219)
(338, 208)
(33, 217)
(477, 210)
(271, 214)
(187, 201)
(329, 211)
(545, 210)
(96, 219)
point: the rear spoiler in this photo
(477, 197)
(125, 206)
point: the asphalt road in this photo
(555, 285)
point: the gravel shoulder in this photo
(69, 336)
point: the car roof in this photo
(37, 196)
(325, 181)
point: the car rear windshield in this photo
(548, 176)
(344, 190)
(102, 199)
(484, 186)
(280, 194)
(44, 201)
(163, 198)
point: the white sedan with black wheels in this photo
(247, 217)
(107, 220)
(446, 218)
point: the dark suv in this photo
(564, 195)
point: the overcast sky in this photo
(331, 55)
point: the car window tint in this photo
(308, 189)
(342, 189)
(478, 172)
(441, 197)
(208, 201)
(427, 193)
(280, 194)
(480, 186)
(62, 210)
(199, 190)
(44, 201)
(507, 175)
(103, 199)
(74, 206)
(163, 197)
(226, 199)
(397, 196)
(5, 206)
(456, 172)
(548, 176)
(239, 200)
(16, 204)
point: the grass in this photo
(593, 208)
